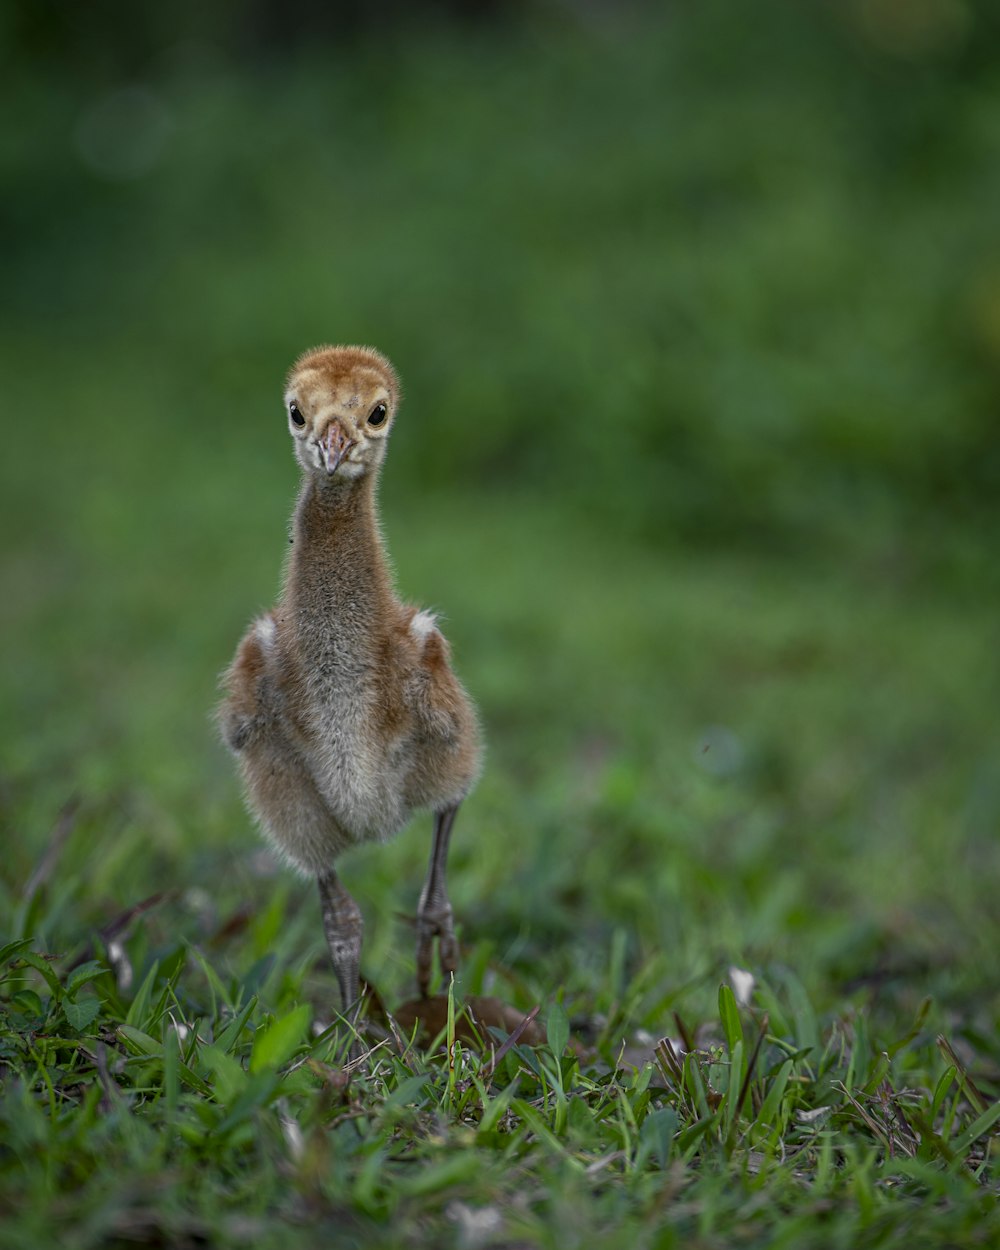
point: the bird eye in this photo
(297, 417)
(377, 414)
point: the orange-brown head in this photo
(341, 402)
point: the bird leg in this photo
(434, 918)
(344, 927)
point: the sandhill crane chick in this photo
(341, 705)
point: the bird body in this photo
(342, 707)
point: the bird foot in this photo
(431, 924)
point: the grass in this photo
(823, 828)
(189, 1111)
(697, 460)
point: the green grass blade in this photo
(557, 1030)
(276, 1043)
(138, 1012)
(729, 1014)
(980, 1126)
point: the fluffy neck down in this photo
(338, 588)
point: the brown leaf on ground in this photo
(473, 1019)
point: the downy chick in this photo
(341, 704)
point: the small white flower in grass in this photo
(198, 899)
(120, 965)
(808, 1117)
(743, 983)
(291, 1132)
(476, 1224)
(181, 1030)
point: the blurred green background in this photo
(697, 312)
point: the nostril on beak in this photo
(335, 446)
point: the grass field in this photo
(698, 461)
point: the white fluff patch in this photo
(265, 630)
(424, 624)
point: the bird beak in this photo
(335, 446)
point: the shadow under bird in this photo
(341, 705)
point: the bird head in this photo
(341, 402)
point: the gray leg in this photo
(344, 928)
(434, 910)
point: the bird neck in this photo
(338, 579)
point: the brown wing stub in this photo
(238, 713)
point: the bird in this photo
(341, 705)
